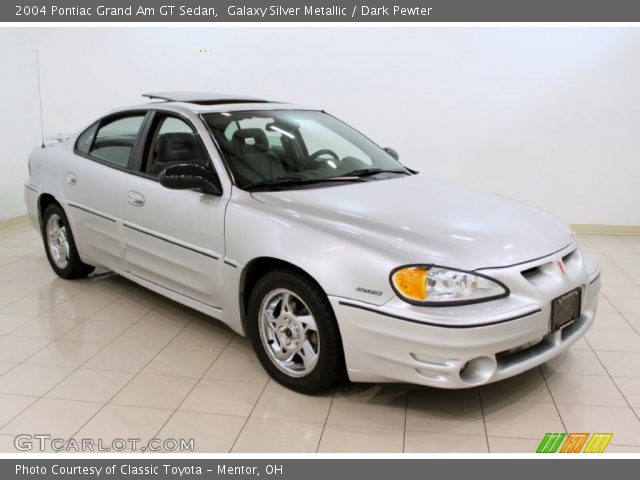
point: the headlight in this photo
(440, 286)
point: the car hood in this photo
(429, 220)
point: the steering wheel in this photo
(314, 156)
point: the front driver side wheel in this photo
(294, 332)
(60, 245)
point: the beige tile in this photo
(12, 405)
(41, 275)
(6, 366)
(65, 353)
(611, 321)
(119, 421)
(626, 305)
(90, 385)
(280, 403)
(621, 421)
(521, 419)
(605, 306)
(240, 345)
(44, 327)
(59, 418)
(5, 300)
(48, 296)
(8, 323)
(528, 386)
(429, 442)
(182, 363)
(7, 444)
(75, 308)
(513, 445)
(614, 341)
(17, 349)
(119, 358)
(584, 390)
(446, 411)
(223, 397)
(621, 364)
(368, 406)
(18, 289)
(621, 291)
(630, 388)
(122, 311)
(211, 433)
(277, 436)
(349, 439)
(59, 290)
(32, 379)
(582, 362)
(615, 279)
(99, 293)
(28, 306)
(204, 336)
(96, 332)
(169, 314)
(147, 336)
(243, 367)
(580, 344)
(155, 391)
(633, 319)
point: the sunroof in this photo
(203, 98)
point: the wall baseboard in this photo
(12, 222)
(596, 229)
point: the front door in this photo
(174, 238)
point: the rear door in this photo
(93, 181)
(174, 238)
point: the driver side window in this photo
(172, 142)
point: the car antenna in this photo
(40, 97)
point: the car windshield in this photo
(291, 148)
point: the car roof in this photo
(204, 102)
(203, 98)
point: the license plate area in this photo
(565, 308)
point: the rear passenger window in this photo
(114, 140)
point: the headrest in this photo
(175, 147)
(256, 134)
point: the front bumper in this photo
(459, 347)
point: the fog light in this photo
(478, 370)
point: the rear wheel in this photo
(60, 245)
(294, 332)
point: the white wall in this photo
(549, 116)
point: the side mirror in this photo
(392, 152)
(189, 176)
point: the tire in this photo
(308, 323)
(60, 246)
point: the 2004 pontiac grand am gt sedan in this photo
(296, 230)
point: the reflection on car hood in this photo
(430, 220)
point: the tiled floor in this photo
(103, 358)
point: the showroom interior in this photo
(548, 116)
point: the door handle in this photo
(135, 198)
(72, 179)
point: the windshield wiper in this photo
(293, 181)
(365, 172)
